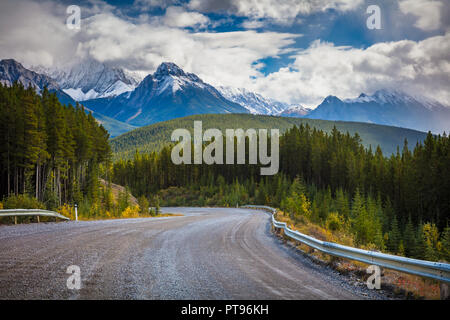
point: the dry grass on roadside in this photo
(400, 284)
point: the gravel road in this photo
(209, 253)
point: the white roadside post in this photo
(76, 213)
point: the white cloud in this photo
(150, 4)
(323, 69)
(34, 33)
(176, 16)
(253, 24)
(428, 12)
(219, 58)
(37, 35)
(278, 11)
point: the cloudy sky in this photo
(296, 51)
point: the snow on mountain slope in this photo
(79, 95)
(90, 79)
(391, 96)
(295, 111)
(253, 102)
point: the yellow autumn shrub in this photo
(334, 222)
(130, 212)
(67, 211)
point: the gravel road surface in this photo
(209, 253)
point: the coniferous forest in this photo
(51, 154)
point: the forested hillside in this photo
(154, 137)
(397, 203)
(49, 151)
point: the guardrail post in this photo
(38, 219)
(15, 219)
(444, 291)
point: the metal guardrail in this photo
(435, 270)
(31, 212)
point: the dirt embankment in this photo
(116, 189)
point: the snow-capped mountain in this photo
(168, 93)
(90, 79)
(295, 111)
(388, 96)
(252, 101)
(12, 71)
(389, 107)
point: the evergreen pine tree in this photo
(394, 236)
(409, 239)
(446, 244)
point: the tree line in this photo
(49, 151)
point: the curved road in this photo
(209, 253)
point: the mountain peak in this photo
(12, 65)
(331, 99)
(12, 71)
(169, 68)
(11, 62)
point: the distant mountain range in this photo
(121, 102)
(389, 107)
